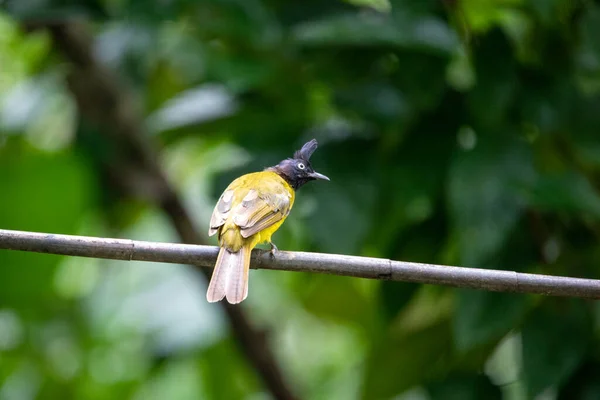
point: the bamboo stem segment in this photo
(362, 267)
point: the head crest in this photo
(306, 151)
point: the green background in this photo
(461, 132)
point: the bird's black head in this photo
(297, 171)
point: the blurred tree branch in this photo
(362, 267)
(135, 171)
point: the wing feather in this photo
(259, 211)
(221, 211)
(262, 224)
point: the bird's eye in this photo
(301, 166)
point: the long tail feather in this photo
(218, 281)
(230, 276)
(237, 284)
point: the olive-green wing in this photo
(227, 201)
(260, 209)
(221, 211)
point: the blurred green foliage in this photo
(457, 132)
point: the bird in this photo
(248, 212)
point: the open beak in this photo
(317, 175)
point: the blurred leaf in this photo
(194, 106)
(483, 15)
(128, 48)
(398, 363)
(482, 317)
(22, 104)
(241, 73)
(552, 12)
(568, 192)
(378, 30)
(374, 101)
(486, 195)
(464, 387)
(555, 340)
(379, 5)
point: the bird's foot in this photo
(274, 249)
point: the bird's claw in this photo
(273, 250)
